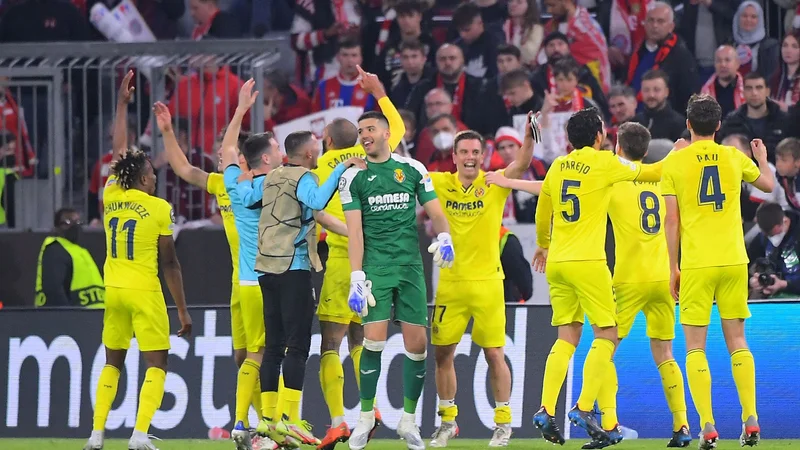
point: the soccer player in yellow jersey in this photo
(336, 318)
(701, 185)
(473, 287)
(138, 230)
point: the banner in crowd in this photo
(316, 122)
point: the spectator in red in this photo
(785, 82)
(316, 27)
(210, 21)
(443, 128)
(413, 71)
(207, 98)
(388, 65)
(344, 89)
(622, 105)
(24, 157)
(727, 84)
(586, 42)
(623, 24)
(283, 101)
(570, 96)
(437, 103)
(522, 29)
(520, 206)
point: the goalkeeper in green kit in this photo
(380, 210)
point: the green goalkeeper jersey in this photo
(386, 194)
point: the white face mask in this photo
(444, 141)
(777, 239)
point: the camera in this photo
(765, 269)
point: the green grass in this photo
(458, 444)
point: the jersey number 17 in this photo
(710, 189)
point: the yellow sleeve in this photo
(111, 188)
(397, 128)
(166, 221)
(651, 172)
(215, 184)
(544, 216)
(620, 169)
(750, 171)
(668, 180)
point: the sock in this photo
(255, 399)
(699, 376)
(355, 355)
(448, 410)
(247, 379)
(413, 380)
(672, 382)
(555, 370)
(106, 393)
(292, 404)
(502, 413)
(269, 400)
(331, 380)
(595, 368)
(607, 399)
(280, 404)
(744, 375)
(370, 370)
(150, 398)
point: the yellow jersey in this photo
(337, 244)
(637, 215)
(581, 184)
(216, 187)
(133, 223)
(475, 214)
(706, 178)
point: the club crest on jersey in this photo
(479, 192)
(399, 176)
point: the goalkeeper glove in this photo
(360, 297)
(443, 252)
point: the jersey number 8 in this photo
(567, 197)
(649, 211)
(130, 227)
(710, 191)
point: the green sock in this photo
(370, 371)
(413, 380)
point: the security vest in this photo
(504, 234)
(86, 287)
(281, 222)
(3, 174)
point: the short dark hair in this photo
(516, 77)
(349, 42)
(555, 35)
(413, 45)
(754, 76)
(375, 115)
(621, 90)
(634, 139)
(789, 147)
(468, 135)
(508, 49)
(342, 132)
(408, 116)
(255, 146)
(408, 7)
(61, 215)
(295, 141)
(704, 114)
(654, 74)
(768, 215)
(566, 67)
(583, 127)
(130, 168)
(441, 116)
(465, 14)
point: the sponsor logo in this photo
(390, 202)
(399, 176)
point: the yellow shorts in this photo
(655, 300)
(333, 305)
(237, 326)
(578, 287)
(252, 305)
(700, 287)
(458, 301)
(133, 312)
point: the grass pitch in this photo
(378, 444)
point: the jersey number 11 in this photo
(130, 227)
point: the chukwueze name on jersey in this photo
(128, 205)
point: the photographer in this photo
(776, 267)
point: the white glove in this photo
(536, 127)
(360, 297)
(442, 250)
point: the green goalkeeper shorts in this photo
(402, 287)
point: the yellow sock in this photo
(744, 375)
(106, 393)
(595, 369)
(555, 370)
(672, 382)
(331, 380)
(269, 400)
(699, 376)
(280, 406)
(245, 383)
(607, 399)
(448, 412)
(355, 355)
(150, 398)
(502, 414)
(292, 403)
(255, 399)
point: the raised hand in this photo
(759, 150)
(680, 144)
(497, 179)
(125, 93)
(163, 117)
(247, 96)
(357, 162)
(370, 83)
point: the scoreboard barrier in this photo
(54, 358)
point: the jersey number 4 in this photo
(650, 220)
(130, 227)
(710, 191)
(572, 199)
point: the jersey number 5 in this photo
(567, 197)
(129, 226)
(710, 192)
(649, 211)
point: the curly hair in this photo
(129, 168)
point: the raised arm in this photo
(174, 278)
(355, 241)
(229, 148)
(372, 84)
(524, 156)
(175, 156)
(119, 139)
(502, 180)
(330, 223)
(672, 228)
(317, 197)
(766, 180)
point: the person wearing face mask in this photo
(444, 129)
(775, 270)
(67, 275)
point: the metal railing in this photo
(57, 103)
